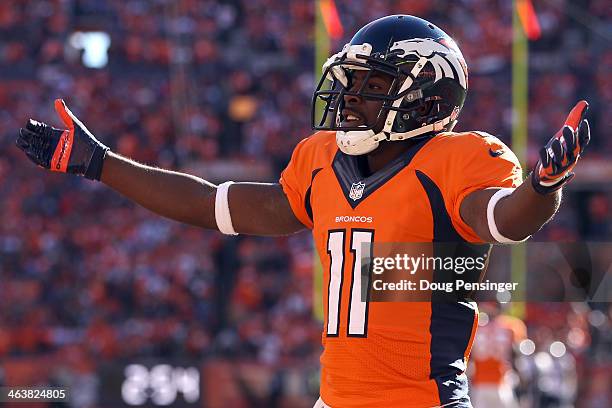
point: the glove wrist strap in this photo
(546, 190)
(94, 170)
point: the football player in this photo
(492, 357)
(384, 166)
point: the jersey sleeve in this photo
(295, 180)
(484, 162)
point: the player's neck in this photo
(386, 153)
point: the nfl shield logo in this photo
(357, 190)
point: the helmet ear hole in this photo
(415, 118)
(424, 108)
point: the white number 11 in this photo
(357, 310)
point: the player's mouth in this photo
(351, 118)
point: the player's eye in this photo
(376, 88)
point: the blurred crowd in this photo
(86, 273)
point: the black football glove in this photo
(74, 150)
(557, 159)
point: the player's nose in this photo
(352, 99)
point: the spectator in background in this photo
(497, 340)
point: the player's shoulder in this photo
(468, 144)
(473, 139)
(320, 144)
(514, 324)
(319, 140)
(510, 321)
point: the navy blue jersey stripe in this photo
(307, 203)
(442, 225)
(452, 317)
(451, 330)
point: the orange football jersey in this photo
(392, 354)
(492, 354)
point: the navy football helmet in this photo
(429, 83)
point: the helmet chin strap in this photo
(357, 142)
(434, 127)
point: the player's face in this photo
(359, 111)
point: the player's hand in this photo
(561, 153)
(73, 150)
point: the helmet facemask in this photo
(341, 74)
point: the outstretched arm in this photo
(522, 212)
(255, 208)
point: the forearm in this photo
(178, 196)
(525, 211)
(255, 208)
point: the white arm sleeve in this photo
(222, 211)
(491, 217)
